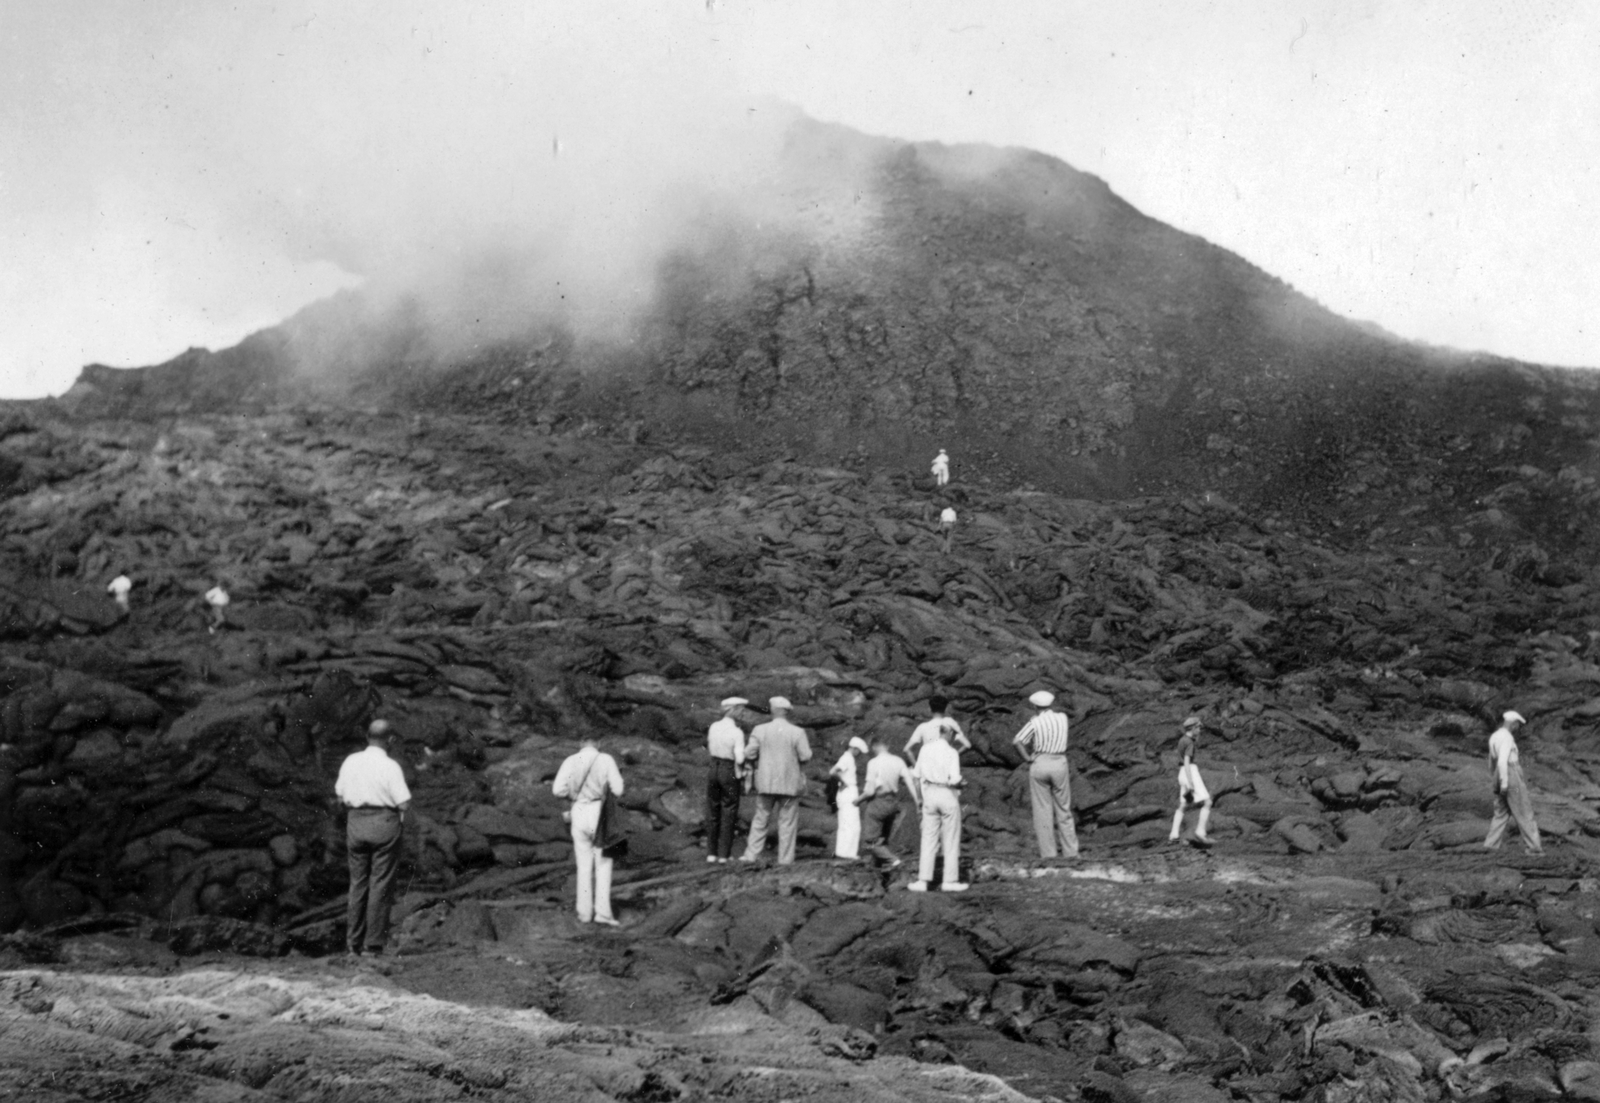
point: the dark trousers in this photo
(373, 837)
(722, 808)
(878, 819)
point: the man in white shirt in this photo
(941, 468)
(217, 598)
(947, 524)
(583, 779)
(938, 775)
(1511, 800)
(725, 744)
(373, 788)
(880, 800)
(1043, 742)
(119, 589)
(940, 722)
(779, 750)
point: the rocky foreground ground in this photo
(171, 862)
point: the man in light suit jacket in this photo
(779, 750)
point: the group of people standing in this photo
(870, 797)
(770, 762)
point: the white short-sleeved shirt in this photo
(371, 779)
(925, 730)
(217, 596)
(120, 586)
(586, 776)
(725, 739)
(885, 773)
(938, 763)
(947, 516)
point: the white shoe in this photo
(606, 921)
(711, 859)
(917, 886)
(955, 886)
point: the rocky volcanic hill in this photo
(1347, 557)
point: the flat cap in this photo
(1043, 699)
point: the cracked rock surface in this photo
(170, 853)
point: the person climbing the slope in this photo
(119, 589)
(1511, 801)
(1191, 786)
(880, 800)
(947, 525)
(941, 469)
(218, 600)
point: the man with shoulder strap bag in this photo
(587, 779)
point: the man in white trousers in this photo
(1511, 801)
(938, 774)
(583, 779)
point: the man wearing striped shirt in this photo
(1043, 742)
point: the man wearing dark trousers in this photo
(373, 789)
(725, 743)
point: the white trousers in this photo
(848, 842)
(941, 830)
(594, 868)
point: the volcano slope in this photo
(171, 860)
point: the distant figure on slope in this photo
(880, 800)
(939, 723)
(947, 525)
(779, 750)
(583, 779)
(847, 842)
(1043, 742)
(372, 787)
(938, 775)
(119, 589)
(725, 743)
(217, 598)
(1191, 786)
(941, 469)
(1510, 791)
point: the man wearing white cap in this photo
(1043, 742)
(847, 842)
(941, 468)
(779, 749)
(1191, 786)
(725, 743)
(1510, 791)
(119, 589)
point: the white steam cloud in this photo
(507, 161)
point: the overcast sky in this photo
(177, 173)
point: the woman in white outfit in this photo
(848, 843)
(1191, 786)
(583, 779)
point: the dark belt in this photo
(1050, 754)
(371, 808)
